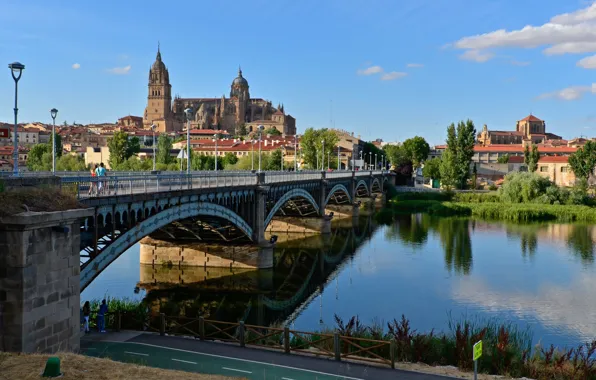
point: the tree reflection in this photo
(580, 241)
(409, 228)
(457, 244)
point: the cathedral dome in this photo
(158, 65)
(239, 80)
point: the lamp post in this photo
(328, 159)
(376, 165)
(338, 163)
(252, 151)
(323, 157)
(282, 159)
(360, 160)
(260, 127)
(369, 161)
(153, 127)
(54, 113)
(215, 136)
(295, 152)
(16, 69)
(188, 113)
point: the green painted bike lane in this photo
(171, 358)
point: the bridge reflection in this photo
(302, 268)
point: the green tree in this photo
(229, 159)
(242, 131)
(164, 146)
(432, 168)
(35, 161)
(396, 155)
(59, 147)
(416, 149)
(466, 137)
(272, 131)
(583, 161)
(504, 159)
(447, 170)
(312, 146)
(121, 148)
(531, 158)
(274, 160)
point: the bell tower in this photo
(159, 97)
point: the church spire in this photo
(158, 58)
(239, 71)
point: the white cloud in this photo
(76, 66)
(569, 93)
(415, 65)
(393, 75)
(520, 63)
(371, 70)
(476, 55)
(588, 62)
(120, 70)
(568, 33)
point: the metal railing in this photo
(320, 344)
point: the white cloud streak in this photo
(385, 76)
(120, 70)
(76, 66)
(415, 65)
(569, 93)
(393, 75)
(371, 70)
(476, 56)
(567, 33)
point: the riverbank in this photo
(488, 206)
(80, 367)
(508, 349)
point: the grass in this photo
(36, 199)
(79, 367)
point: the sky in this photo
(389, 69)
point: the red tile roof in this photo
(518, 148)
(530, 117)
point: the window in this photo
(544, 169)
(563, 169)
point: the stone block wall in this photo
(39, 281)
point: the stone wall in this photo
(13, 183)
(39, 281)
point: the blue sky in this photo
(312, 55)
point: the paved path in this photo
(216, 358)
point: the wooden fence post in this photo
(337, 346)
(287, 340)
(392, 353)
(162, 324)
(118, 320)
(201, 328)
(241, 332)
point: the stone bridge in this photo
(209, 207)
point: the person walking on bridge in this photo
(101, 316)
(100, 172)
(86, 313)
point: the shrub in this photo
(523, 187)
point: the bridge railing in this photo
(91, 187)
(276, 177)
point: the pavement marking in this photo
(135, 353)
(237, 359)
(237, 370)
(183, 361)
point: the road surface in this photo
(215, 358)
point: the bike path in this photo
(215, 358)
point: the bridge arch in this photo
(335, 189)
(294, 193)
(378, 188)
(362, 183)
(95, 266)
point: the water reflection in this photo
(302, 268)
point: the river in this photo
(540, 276)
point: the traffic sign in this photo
(478, 350)
(4, 133)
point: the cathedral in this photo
(235, 114)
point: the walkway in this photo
(215, 358)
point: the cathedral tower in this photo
(239, 91)
(159, 97)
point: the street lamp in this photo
(295, 152)
(16, 69)
(215, 136)
(153, 127)
(376, 166)
(252, 150)
(338, 163)
(360, 160)
(54, 113)
(323, 157)
(328, 159)
(260, 128)
(369, 161)
(188, 113)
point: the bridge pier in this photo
(159, 253)
(39, 281)
(300, 225)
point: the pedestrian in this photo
(93, 186)
(86, 313)
(101, 316)
(100, 172)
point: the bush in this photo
(476, 197)
(523, 187)
(492, 187)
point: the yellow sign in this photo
(477, 350)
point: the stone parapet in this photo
(39, 281)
